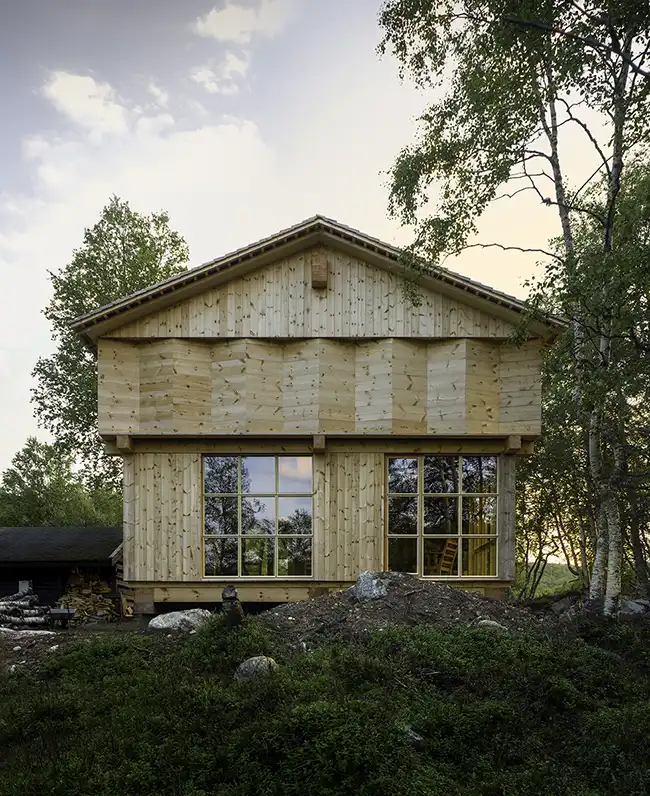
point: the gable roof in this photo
(59, 545)
(310, 232)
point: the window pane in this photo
(479, 556)
(221, 556)
(257, 556)
(441, 515)
(403, 515)
(479, 473)
(221, 473)
(294, 556)
(403, 555)
(221, 516)
(258, 475)
(294, 516)
(295, 474)
(479, 515)
(258, 516)
(402, 475)
(441, 474)
(440, 557)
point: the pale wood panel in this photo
(520, 402)
(336, 387)
(129, 515)
(446, 387)
(352, 526)
(482, 386)
(163, 516)
(118, 385)
(373, 399)
(323, 386)
(506, 541)
(361, 300)
(409, 387)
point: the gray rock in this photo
(258, 666)
(490, 624)
(7, 632)
(560, 606)
(632, 608)
(415, 738)
(370, 586)
(183, 621)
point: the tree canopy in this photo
(42, 488)
(510, 79)
(123, 252)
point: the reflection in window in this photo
(402, 475)
(258, 516)
(442, 515)
(402, 515)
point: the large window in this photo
(258, 516)
(442, 515)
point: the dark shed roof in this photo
(59, 545)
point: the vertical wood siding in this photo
(162, 517)
(361, 300)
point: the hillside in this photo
(407, 708)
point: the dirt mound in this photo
(407, 601)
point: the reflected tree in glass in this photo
(403, 475)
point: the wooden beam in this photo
(124, 443)
(319, 443)
(513, 444)
(110, 448)
(319, 269)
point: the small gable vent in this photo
(319, 268)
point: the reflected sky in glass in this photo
(295, 474)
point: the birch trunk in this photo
(599, 569)
(614, 554)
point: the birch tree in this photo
(514, 77)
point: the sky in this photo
(239, 119)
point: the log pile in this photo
(89, 596)
(21, 610)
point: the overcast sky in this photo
(237, 119)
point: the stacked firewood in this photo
(89, 596)
(22, 610)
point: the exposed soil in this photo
(341, 615)
(408, 601)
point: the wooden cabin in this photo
(288, 419)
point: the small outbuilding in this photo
(45, 558)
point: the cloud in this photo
(224, 78)
(91, 105)
(159, 94)
(239, 24)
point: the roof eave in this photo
(92, 325)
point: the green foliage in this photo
(41, 488)
(492, 80)
(123, 252)
(512, 713)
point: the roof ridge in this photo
(284, 236)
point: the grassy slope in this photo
(502, 714)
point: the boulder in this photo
(633, 608)
(182, 621)
(9, 633)
(490, 624)
(370, 586)
(560, 606)
(260, 665)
